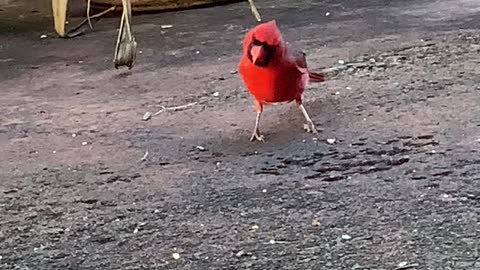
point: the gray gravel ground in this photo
(398, 189)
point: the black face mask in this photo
(269, 52)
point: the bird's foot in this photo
(310, 127)
(256, 136)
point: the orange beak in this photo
(258, 53)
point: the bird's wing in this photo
(300, 61)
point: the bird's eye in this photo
(257, 43)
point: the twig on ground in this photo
(74, 32)
(144, 156)
(254, 10)
(408, 266)
(89, 2)
(148, 115)
(175, 108)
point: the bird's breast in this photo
(272, 84)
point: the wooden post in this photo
(59, 8)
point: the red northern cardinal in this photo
(272, 72)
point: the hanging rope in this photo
(125, 49)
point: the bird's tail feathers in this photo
(316, 77)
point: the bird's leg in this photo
(256, 132)
(309, 126)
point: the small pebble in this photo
(147, 116)
(346, 237)
(272, 241)
(84, 143)
(337, 93)
(315, 222)
(176, 256)
(240, 253)
(341, 62)
(349, 88)
(216, 94)
(254, 227)
(43, 36)
(42, 247)
(74, 135)
(201, 148)
(166, 26)
(264, 190)
(331, 141)
(327, 14)
(402, 264)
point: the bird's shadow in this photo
(282, 126)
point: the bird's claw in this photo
(310, 127)
(256, 136)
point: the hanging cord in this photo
(125, 49)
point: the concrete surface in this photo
(399, 188)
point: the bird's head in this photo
(264, 41)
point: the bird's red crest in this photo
(268, 32)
